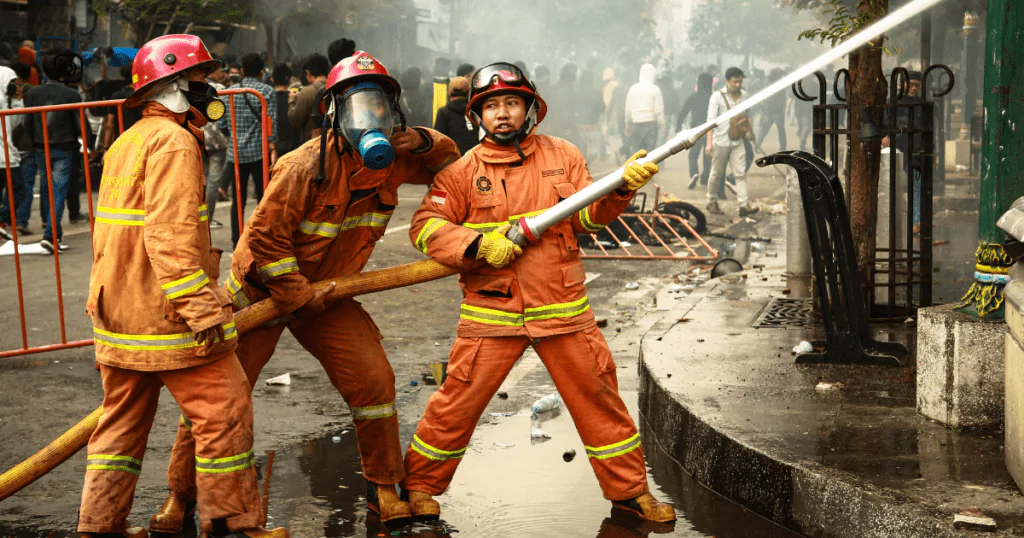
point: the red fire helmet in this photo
(498, 78)
(164, 57)
(360, 67)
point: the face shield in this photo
(365, 115)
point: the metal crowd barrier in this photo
(64, 343)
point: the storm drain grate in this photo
(783, 313)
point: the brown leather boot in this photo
(647, 507)
(171, 517)
(424, 507)
(130, 532)
(383, 501)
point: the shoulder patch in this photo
(438, 197)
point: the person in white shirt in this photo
(726, 148)
(645, 111)
(10, 97)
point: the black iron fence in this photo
(903, 262)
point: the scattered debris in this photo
(547, 403)
(336, 439)
(974, 519)
(909, 321)
(825, 386)
(675, 288)
(632, 285)
(602, 322)
(501, 414)
(669, 375)
(700, 340)
(688, 288)
(568, 455)
(938, 242)
(285, 380)
(414, 383)
(803, 347)
(683, 320)
(626, 244)
(537, 433)
(503, 395)
(787, 291)
(749, 220)
(504, 445)
(437, 343)
(591, 276)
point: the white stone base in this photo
(960, 374)
(958, 152)
(1014, 418)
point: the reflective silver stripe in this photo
(433, 224)
(225, 465)
(374, 411)
(120, 216)
(204, 213)
(155, 342)
(104, 462)
(237, 295)
(278, 268)
(435, 454)
(615, 449)
(233, 284)
(323, 229)
(186, 423)
(185, 286)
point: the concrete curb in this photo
(794, 492)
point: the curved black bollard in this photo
(836, 279)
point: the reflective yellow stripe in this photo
(588, 225)
(186, 423)
(225, 465)
(185, 286)
(433, 224)
(104, 462)
(155, 342)
(560, 310)
(237, 295)
(120, 216)
(323, 229)
(435, 454)
(614, 449)
(373, 412)
(371, 219)
(278, 268)
(490, 316)
(204, 213)
(491, 226)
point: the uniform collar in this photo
(493, 153)
(154, 109)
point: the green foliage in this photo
(722, 26)
(843, 23)
(152, 11)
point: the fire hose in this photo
(524, 231)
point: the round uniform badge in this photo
(483, 185)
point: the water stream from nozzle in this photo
(534, 226)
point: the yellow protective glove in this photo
(497, 249)
(637, 175)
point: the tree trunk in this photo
(868, 88)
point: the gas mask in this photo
(366, 115)
(180, 94)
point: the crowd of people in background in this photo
(608, 112)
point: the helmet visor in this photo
(507, 73)
(364, 108)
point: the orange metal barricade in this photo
(25, 348)
(649, 223)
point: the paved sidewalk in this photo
(728, 403)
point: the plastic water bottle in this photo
(547, 403)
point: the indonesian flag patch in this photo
(438, 197)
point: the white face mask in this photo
(171, 95)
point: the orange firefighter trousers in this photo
(218, 403)
(347, 343)
(582, 368)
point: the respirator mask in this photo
(366, 116)
(203, 97)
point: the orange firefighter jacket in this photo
(541, 293)
(303, 232)
(154, 275)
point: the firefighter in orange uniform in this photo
(159, 318)
(323, 213)
(522, 297)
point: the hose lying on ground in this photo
(247, 319)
